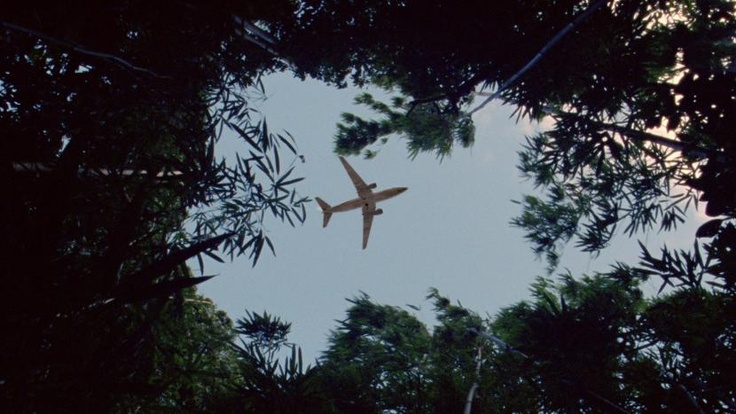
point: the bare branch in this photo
(474, 387)
(498, 342)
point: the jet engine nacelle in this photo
(372, 186)
(378, 212)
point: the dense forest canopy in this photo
(111, 111)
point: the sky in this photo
(449, 231)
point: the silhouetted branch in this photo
(593, 7)
(79, 49)
(642, 136)
(40, 167)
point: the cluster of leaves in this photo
(243, 190)
(596, 343)
(268, 381)
(430, 126)
(192, 364)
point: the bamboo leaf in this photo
(177, 257)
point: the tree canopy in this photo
(111, 112)
(641, 96)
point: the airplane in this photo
(366, 201)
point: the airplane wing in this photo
(368, 210)
(358, 182)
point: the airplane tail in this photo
(325, 210)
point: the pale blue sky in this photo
(449, 230)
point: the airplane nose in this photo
(402, 189)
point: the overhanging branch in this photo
(593, 7)
(81, 50)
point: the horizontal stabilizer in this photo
(326, 210)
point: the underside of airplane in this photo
(366, 201)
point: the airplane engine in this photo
(372, 186)
(378, 212)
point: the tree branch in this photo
(643, 136)
(79, 49)
(471, 394)
(498, 342)
(40, 167)
(593, 7)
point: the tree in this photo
(110, 114)
(376, 360)
(598, 344)
(382, 359)
(595, 344)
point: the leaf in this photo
(287, 142)
(276, 157)
(242, 134)
(261, 165)
(280, 181)
(709, 228)
(265, 139)
(213, 256)
(293, 181)
(177, 257)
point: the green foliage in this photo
(627, 173)
(265, 333)
(590, 345)
(192, 362)
(575, 333)
(266, 383)
(381, 358)
(375, 358)
(693, 333)
(425, 126)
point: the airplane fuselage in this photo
(368, 201)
